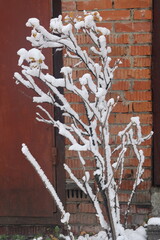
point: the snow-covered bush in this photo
(92, 135)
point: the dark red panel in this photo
(156, 94)
(21, 192)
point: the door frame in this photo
(59, 139)
(155, 92)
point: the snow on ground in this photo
(138, 234)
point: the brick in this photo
(142, 85)
(127, 184)
(118, 38)
(132, 4)
(71, 154)
(143, 209)
(138, 96)
(129, 173)
(86, 207)
(23, 230)
(145, 118)
(142, 62)
(87, 154)
(84, 118)
(121, 108)
(132, 74)
(68, 6)
(112, 118)
(147, 174)
(115, 129)
(146, 129)
(83, 39)
(71, 62)
(121, 74)
(129, 219)
(67, 142)
(108, 25)
(72, 98)
(143, 196)
(75, 163)
(123, 197)
(78, 173)
(124, 207)
(88, 219)
(129, 162)
(119, 50)
(91, 229)
(128, 153)
(148, 142)
(94, 5)
(113, 94)
(72, 207)
(142, 107)
(78, 107)
(147, 152)
(139, 219)
(140, 50)
(79, 73)
(142, 38)
(123, 118)
(142, 14)
(115, 15)
(76, 229)
(112, 140)
(133, 27)
(125, 62)
(121, 85)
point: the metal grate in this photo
(72, 190)
(75, 193)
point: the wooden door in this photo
(23, 198)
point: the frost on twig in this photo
(93, 133)
(64, 215)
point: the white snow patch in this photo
(88, 21)
(154, 221)
(99, 236)
(138, 234)
(79, 25)
(56, 24)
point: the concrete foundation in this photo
(153, 231)
(155, 201)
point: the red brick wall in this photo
(130, 23)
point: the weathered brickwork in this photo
(130, 23)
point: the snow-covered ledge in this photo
(153, 229)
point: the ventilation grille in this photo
(72, 191)
(75, 193)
